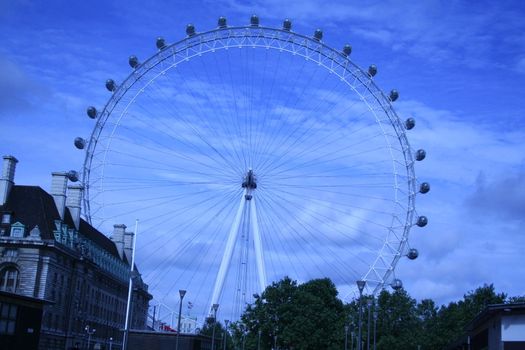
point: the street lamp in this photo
(375, 327)
(276, 329)
(259, 340)
(346, 336)
(360, 285)
(370, 303)
(110, 343)
(182, 293)
(214, 309)
(90, 331)
(226, 323)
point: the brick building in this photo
(48, 252)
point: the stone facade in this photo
(48, 252)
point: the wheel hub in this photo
(249, 184)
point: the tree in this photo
(398, 322)
(427, 313)
(306, 316)
(452, 319)
(310, 316)
(220, 332)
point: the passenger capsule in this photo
(393, 95)
(420, 154)
(424, 187)
(347, 50)
(110, 85)
(410, 123)
(161, 43)
(422, 221)
(396, 284)
(190, 30)
(254, 21)
(72, 175)
(318, 34)
(92, 112)
(287, 25)
(412, 254)
(372, 70)
(80, 143)
(133, 61)
(222, 22)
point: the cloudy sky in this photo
(459, 68)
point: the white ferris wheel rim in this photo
(335, 62)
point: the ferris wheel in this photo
(251, 153)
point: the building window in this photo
(7, 318)
(9, 279)
(6, 218)
(10, 253)
(18, 230)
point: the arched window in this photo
(9, 279)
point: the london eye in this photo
(250, 153)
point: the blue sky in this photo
(459, 68)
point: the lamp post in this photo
(226, 323)
(375, 327)
(346, 336)
(182, 293)
(90, 331)
(276, 329)
(360, 285)
(369, 303)
(259, 340)
(110, 343)
(214, 309)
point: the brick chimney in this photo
(58, 191)
(74, 197)
(118, 238)
(128, 245)
(8, 177)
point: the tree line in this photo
(310, 316)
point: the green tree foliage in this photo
(452, 319)
(220, 332)
(310, 316)
(398, 323)
(306, 316)
(405, 324)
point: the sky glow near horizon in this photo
(460, 71)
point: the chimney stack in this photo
(58, 191)
(118, 238)
(74, 197)
(8, 177)
(128, 245)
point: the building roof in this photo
(32, 206)
(480, 320)
(96, 236)
(492, 310)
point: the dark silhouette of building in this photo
(139, 340)
(498, 327)
(48, 252)
(20, 321)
